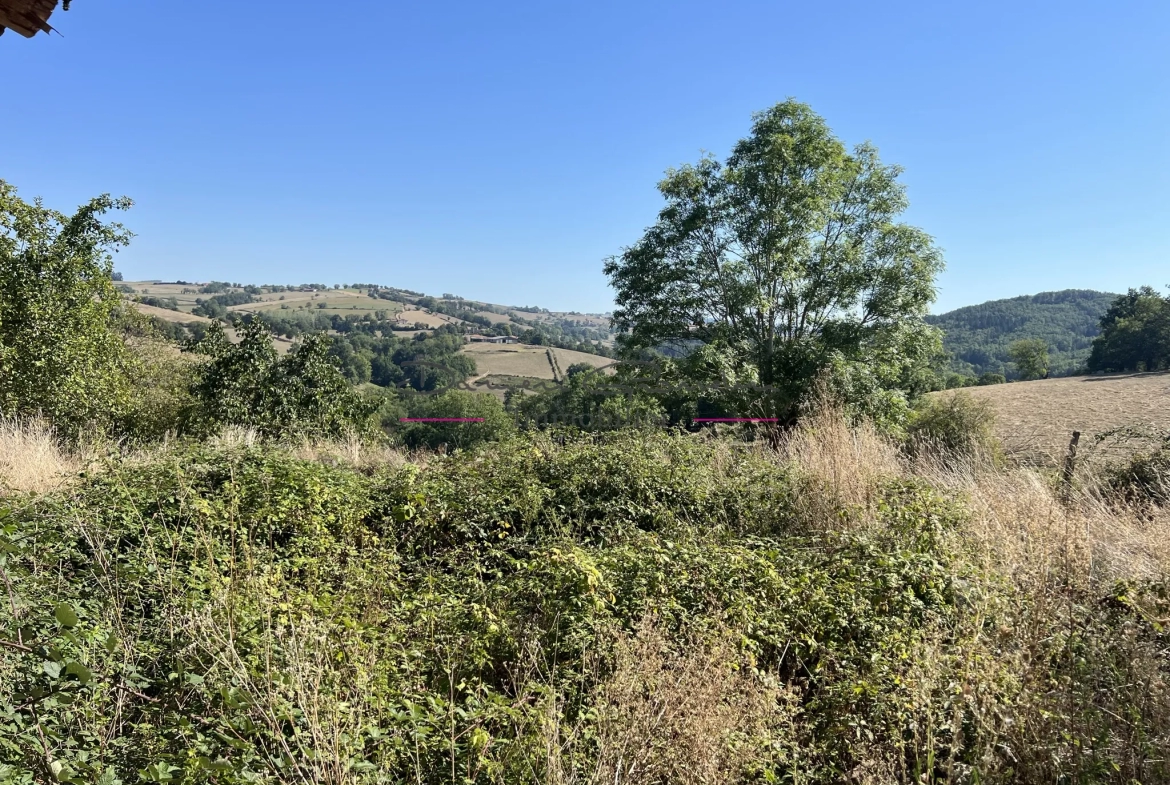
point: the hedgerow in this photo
(529, 613)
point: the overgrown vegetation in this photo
(248, 384)
(1143, 478)
(648, 607)
(952, 427)
(217, 567)
(58, 356)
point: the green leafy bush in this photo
(240, 616)
(248, 384)
(953, 426)
(589, 400)
(495, 423)
(247, 615)
(1143, 479)
(60, 354)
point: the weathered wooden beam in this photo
(1070, 467)
(27, 17)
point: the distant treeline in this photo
(979, 337)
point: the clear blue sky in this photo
(502, 150)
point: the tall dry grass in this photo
(1017, 516)
(34, 459)
(353, 451)
(664, 712)
(1081, 675)
(839, 467)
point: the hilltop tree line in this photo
(979, 338)
(1071, 332)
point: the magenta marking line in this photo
(737, 419)
(440, 419)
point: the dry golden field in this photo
(1036, 419)
(513, 360)
(412, 313)
(523, 360)
(167, 315)
(495, 318)
(341, 301)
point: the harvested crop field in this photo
(524, 360)
(411, 314)
(512, 360)
(495, 318)
(1036, 419)
(168, 315)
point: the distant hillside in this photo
(978, 336)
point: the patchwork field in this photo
(167, 315)
(185, 294)
(340, 301)
(495, 318)
(282, 344)
(530, 361)
(1036, 419)
(343, 302)
(411, 314)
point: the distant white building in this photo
(475, 338)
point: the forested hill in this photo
(978, 336)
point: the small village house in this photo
(476, 338)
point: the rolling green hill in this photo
(978, 336)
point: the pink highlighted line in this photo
(440, 419)
(736, 419)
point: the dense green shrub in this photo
(249, 384)
(160, 400)
(1142, 479)
(232, 616)
(188, 599)
(589, 400)
(495, 423)
(952, 426)
(955, 381)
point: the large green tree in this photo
(60, 355)
(1030, 357)
(1135, 333)
(786, 262)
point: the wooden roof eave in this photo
(27, 17)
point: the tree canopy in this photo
(1030, 357)
(785, 262)
(1135, 333)
(59, 354)
(249, 384)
